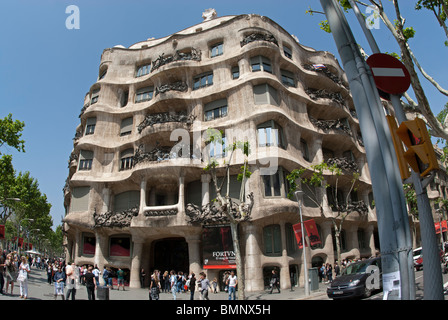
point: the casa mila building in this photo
(139, 154)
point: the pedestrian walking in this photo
(10, 272)
(232, 282)
(96, 272)
(192, 285)
(59, 281)
(275, 281)
(91, 283)
(72, 280)
(49, 273)
(204, 285)
(24, 270)
(120, 279)
(215, 285)
(173, 283)
(154, 286)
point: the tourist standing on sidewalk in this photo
(192, 285)
(232, 282)
(96, 272)
(10, 272)
(120, 279)
(154, 286)
(24, 269)
(204, 285)
(90, 281)
(59, 280)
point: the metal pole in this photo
(379, 153)
(404, 238)
(433, 276)
(299, 197)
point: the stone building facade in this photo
(139, 153)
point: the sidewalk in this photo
(39, 289)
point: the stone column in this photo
(285, 281)
(194, 253)
(253, 269)
(181, 203)
(371, 239)
(77, 248)
(327, 241)
(352, 240)
(99, 256)
(142, 195)
(106, 200)
(136, 262)
(205, 179)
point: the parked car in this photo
(418, 258)
(352, 281)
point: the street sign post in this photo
(390, 75)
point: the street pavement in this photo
(39, 289)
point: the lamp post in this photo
(299, 197)
(18, 232)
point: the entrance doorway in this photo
(171, 254)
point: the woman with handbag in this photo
(154, 287)
(24, 269)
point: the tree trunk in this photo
(239, 262)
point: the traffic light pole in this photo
(432, 278)
(389, 196)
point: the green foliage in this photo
(11, 132)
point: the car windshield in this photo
(356, 268)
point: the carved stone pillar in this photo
(327, 241)
(285, 281)
(106, 200)
(254, 270)
(99, 256)
(205, 179)
(143, 184)
(194, 253)
(181, 202)
(136, 262)
(371, 239)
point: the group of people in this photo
(180, 283)
(13, 269)
(327, 272)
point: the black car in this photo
(352, 282)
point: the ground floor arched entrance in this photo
(170, 254)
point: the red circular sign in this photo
(389, 73)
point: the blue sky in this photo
(46, 69)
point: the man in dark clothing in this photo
(89, 279)
(275, 281)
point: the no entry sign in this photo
(390, 75)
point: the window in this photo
(288, 78)
(126, 127)
(216, 50)
(85, 160)
(287, 51)
(80, 199)
(218, 148)
(276, 185)
(235, 72)
(361, 239)
(304, 148)
(95, 95)
(216, 109)
(291, 242)
(260, 63)
(143, 70)
(144, 94)
(120, 246)
(90, 126)
(265, 94)
(270, 134)
(127, 159)
(272, 240)
(102, 74)
(203, 80)
(126, 200)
